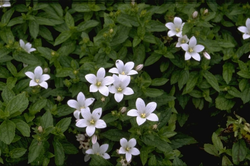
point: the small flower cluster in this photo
(245, 30)
(189, 45)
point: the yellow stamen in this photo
(143, 115)
(123, 73)
(190, 50)
(127, 148)
(119, 89)
(82, 107)
(37, 80)
(98, 83)
(183, 41)
(177, 30)
(92, 121)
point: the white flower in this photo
(143, 112)
(5, 3)
(80, 105)
(128, 148)
(119, 87)
(99, 82)
(91, 121)
(99, 150)
(175, 28)
(206, 55)
(139, 67)
(38, 78)
(94, 139)
(182, 40)
(245, 29)
(123, 69)
(192, 49)
(27, 46)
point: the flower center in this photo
(177, 30)
(119, 89)
(183, 41)
(1, 2)
(98, 83)
(82, 107)
(37, 80)
(143, 115)
(92, 121)
(190, 50)
(123, 73)
(127, 148)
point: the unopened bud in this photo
(46, 70)
(123, 109)
(205, 11)
(40, 129)
(155, 126)
(139, 67)
(111, 30)
(132, 2)
(94, 139)
(206, 55)
(59, 98)
(103, 99)
(195, 14)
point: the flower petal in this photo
(90, 151)
(184, 47)
(140, 120)
(196, 56)
(248, 23)
(38, 71)
(81, 98)
(29, 74)
(187, 56)
(243, 29)
(93, 88)
(91, 78)
(150, 107)
(33, 83)
(177, 21)
(118, 97)
(97, 113)
(73, 104)
(86, 114)
(132, 72)
(170, 25)
(106, 156)
(128, 91)
(192, 41)
(101, 73)
(128, 157)
(76, 114)
(81, 123)
(123, 142)
(132, 142)
(140, 105)
(89, 101)
(171, 33)
(114, 70)
(132, 112)
(104, 90)
(44, 77)
(129, 66)
(246, 36)
(153, 117)
(104, 148)
(112, 89)
(198, 48)
(44, 85)
(100, 124)
(134, 151)
(90, 130)
(21, 42)
(107, 80)
(122, 150)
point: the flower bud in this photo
(103, 99)
(205, 11)
(40, 129)
(195, 14)
(132, 2)
(139, 67)
(155, 126)
(94, 139)
(111, 30)
(123, 109)
(46, 70)
(206, 55)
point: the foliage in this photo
(38, 127)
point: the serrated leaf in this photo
(217, 142)
(35, 150)
(7, 130)
(239, 151)
(209, 148)
(62, 37)
(152, 59)
(17, 152)
(63, 124)
(22, 126)
(223, 104)
(152, 92)
(211, 79)
(37, 106)
(69, 20)
(228, 70)
(59, 152)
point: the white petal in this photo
(132, 142)
(132, 112)
(134, 151)
(123, 142)
(129, 66)
(140, 120)
(89, 151)
(132, 72)
(73, 104)
(90, 130)
(140, 105)
(89, 101)
(32, 49)
(184, 47)
(101, 73)
(81, 98)
(112, 89)
(6, 4)
(248, 23)
(97, 113)
(76, 114)
(170, 25)
(44, 85)
(104, 90)
(113, 70)
(199, 48)
(243, 29)
(151, 107)
(93, 88)
(33, 83)
(106, 156)
(44, 77)
(119, 64)
(86, 114)
(246, 36)
(192, 41)
(196, 56)
(21, 42)
(100, 124)
(122, 150)
(118, 97)
(153, 117)
(128, 91)
(38, 71)
(187, 56)
(171, 33)
(128, 157)
(81, 123)
(108, 80)
(177, 21)
(29, 74)
(91, 78)
(125, 80)
(104, 148)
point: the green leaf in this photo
(180, 140)
(155, 141)
(7, 94)
(65, 110)
(35, 150)
(64, 72)
(46, 120)
(33, 28)
(239, 151)
(11, 68)
(183, 78)
(62, 37)
(7, 130)
(4, 51)
(81, 7)
(217, 142)
(7, 35)
(136, 41)
(245, 95)
(17, 152)
(211, 79)
(45, 33)
(7, 15)
(98, 160)
(69, 20)
(144, 151)
(152, 92)
(69, 148)
(226, 161)
(209, 148)
(22, 126)
(152, 59)
(178, 161)
(244, 74)
(27, 58)
(152, 161)
(63, 124)
(45, 52)
(193, 78)
(115, 134)
(224, 104)
(228, 70)
(15, 20)
(17, 104)
(59, 152)
(86, 25)
(159, 81)
(37, 106)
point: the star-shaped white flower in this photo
(143, 112)
(182, 40)
(99, 150)
(123, 69)
(128, 148)
(192, 49)
(175, 28)
(81, 104)
(38, 78)
(5, 3)
(119, 87)
(27, 46)
(245, 29)
(99, 82)
(91, 121)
